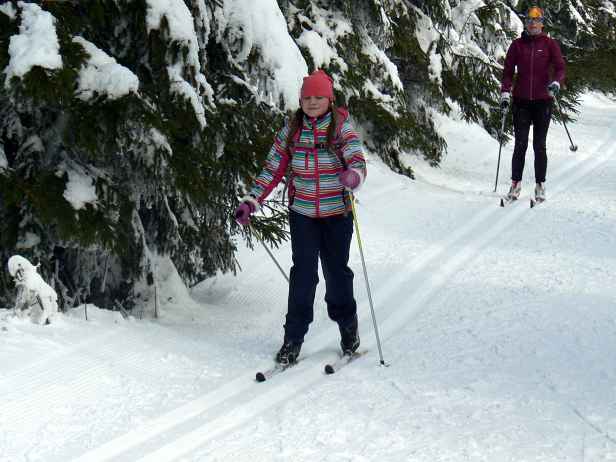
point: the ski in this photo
(330, 368)
(506, 200)
(346, 358)
(534, 202)
(273, 371)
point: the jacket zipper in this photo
(316, 167)
(532, 65)
(306, 161)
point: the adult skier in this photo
(325, 157)
(537, 63)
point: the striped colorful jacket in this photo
(314, 188)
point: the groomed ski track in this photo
(425, 276)
(185, 429)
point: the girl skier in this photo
(326, 164)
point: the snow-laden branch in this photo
(35, 45)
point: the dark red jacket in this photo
(534, 57)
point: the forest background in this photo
(130, 128)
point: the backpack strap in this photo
(290, 148)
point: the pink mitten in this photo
(350, 179)
(243, 212)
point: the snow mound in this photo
(35, 298)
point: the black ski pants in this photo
(330, 239)
(527, 112)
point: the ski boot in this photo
(514, 191)
(540, 192)
(288, 353)
(349, 338)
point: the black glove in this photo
(553, 89)
(505, 100)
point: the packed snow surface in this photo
(498, 326)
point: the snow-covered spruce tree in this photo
(398, 61)
(133, 132)
(466, 41)
(379, 70)
(112, 144)
(587, 33)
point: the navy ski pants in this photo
(527, 112)
(330, 239)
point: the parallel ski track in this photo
(241, 400)
(42, 385)
(11, 379)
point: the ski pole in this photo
(363, 263)
(572, 147)
(500, 147)
(268, 251)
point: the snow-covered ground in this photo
(498, 326)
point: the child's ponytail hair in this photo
(332, 130)
(295, 124)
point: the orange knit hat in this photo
(534, 12)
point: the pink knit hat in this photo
(318, 84)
